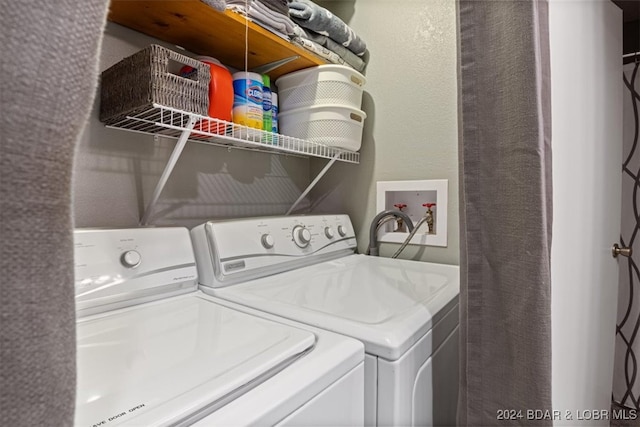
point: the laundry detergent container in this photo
(321, 85)
(332, 125)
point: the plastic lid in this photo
(248, 75)
(266, 80)
(208, 59)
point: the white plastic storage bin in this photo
(333, 125)
(321, 85)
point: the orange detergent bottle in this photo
(220, 97)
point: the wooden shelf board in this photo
(203, 30)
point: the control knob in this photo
(301, 236)
(267, 241)
(328, 231)
(342, 230)
(131, 259)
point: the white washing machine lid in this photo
(162, 362)
(386, 303)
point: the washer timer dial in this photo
(301, 236)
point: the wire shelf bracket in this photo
(173, 123)
(313, 183)
(173, 159)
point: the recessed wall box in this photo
(418, 196)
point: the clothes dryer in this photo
(154, 351)
(303, 268)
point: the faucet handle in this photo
(400, 227)
(428, 216)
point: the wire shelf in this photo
(170, 122)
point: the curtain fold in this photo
(505, 212)
(48, 75)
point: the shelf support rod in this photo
(315, 181)
(173, 159)
(263, 69)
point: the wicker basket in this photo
(132, 85)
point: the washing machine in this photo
(304, 268)
(152, 350)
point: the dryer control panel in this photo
(237, 250)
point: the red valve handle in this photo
(428, 205)
(400, 205)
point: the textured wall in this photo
(411, 104)
(116, 171)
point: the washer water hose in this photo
(380, 219)
(409, 237)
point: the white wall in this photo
(116, 172)
(411, 104)
(586, 83)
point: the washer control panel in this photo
(256, 247)
(120, 265)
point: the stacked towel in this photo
(264, 13)
(218, 5)
(312, 17)
(321, 51)
(327, 35)
(315, 28)
(341, 55)
(279, 6)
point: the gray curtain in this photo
(506, 212)
(48, 74)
